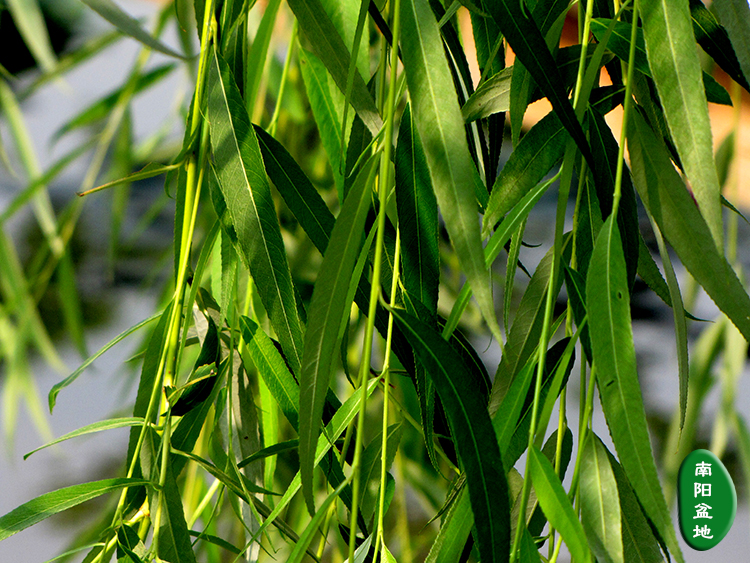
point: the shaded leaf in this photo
(174, 539)
(608, 306)
(327, 309)
(735, 17)
(670, 204)
(670, 45)
(474, 437)
(527, 42)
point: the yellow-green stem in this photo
(383, 183)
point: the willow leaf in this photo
(245, 188)
(539, 150)
(527, 42)
(680, 323)
(128, 25)
(297, 190)
(272, 369)
(418, 221)
(673, 59)
(332, 432)
(90, 428)
(736, 19)
(73, 376)
(638, 542)
(174, 539)
(325, 104)
(554, 501)
(600, 502)
(670, 204)
(327, 44)
(417, 216)
(328, 306)
(619, 43)
(454, 532)
(608, 306)
(29, 21)
(714, 40)
(441, 129)
(48, 504)
(473, 434)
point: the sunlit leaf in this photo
(48, 504)
(244, 184)
(438, 120)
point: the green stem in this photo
(383, 183)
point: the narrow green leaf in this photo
(174, 539)
(317, 28)
(670, 45)
(272, 369)
(714, 40)
(417, 217)
(650, 273)
(680, 323)
(576, 288)
(735, 17)
(454, 532)
(73, 376)
(548, 16)
(48, 504)
(297, 190)
(307, 536)
(474, 437)
(554, 501)
(670, 204)
(638, 542)
(527, 42)
(332, 432)
(619, 43)
(600, 502)
(326, 105)
(539, 150)
(441, 129)
(247, 194)
(90, 428)
(258, 54)
(525, 330)
(327, 308)
(151, 170)
(608, 306)
(128, 25)
(29, 21)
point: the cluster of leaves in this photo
(258, 376)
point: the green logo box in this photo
(707, 500)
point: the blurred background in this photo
(122, 258)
